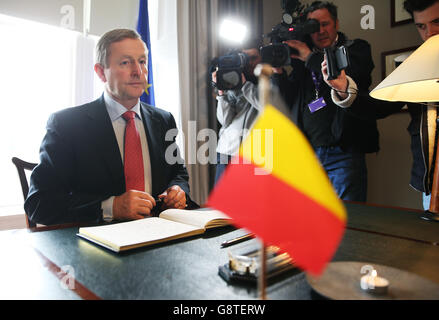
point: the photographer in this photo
(339, 134)
(237, 110)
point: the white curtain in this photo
(181, 52)
(164, 56)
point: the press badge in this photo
(317, 105)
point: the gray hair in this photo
(103, 47)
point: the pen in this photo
(156, 210)
(237, 240)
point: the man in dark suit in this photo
(82, 175)
(423, 128)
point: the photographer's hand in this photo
(220, 92)
(340, 85)
(302, 47)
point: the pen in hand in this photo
(155, 211)
(230, 242)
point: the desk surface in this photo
(398, 222)
(188, 268)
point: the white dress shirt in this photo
(115, 111)
(352, 94)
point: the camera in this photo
(337, 60)
(293, 27)
(230, 69)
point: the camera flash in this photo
(233, 31)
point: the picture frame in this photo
(398, 15)
(389, 59)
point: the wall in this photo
(105, 14)
(389, 169)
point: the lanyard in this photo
(317, 79)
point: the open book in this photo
(171, 224)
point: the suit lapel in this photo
(153, 134)
(103, 136)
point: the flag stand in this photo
(262, 281)
(263, 72)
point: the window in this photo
(43, 69)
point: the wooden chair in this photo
(21, 167)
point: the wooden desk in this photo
(188, 268)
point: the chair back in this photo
(21, 167)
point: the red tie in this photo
(133, 163)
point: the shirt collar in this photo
(116, 110)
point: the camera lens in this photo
(227, 80)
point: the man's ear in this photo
(336, 25)
(99, 69)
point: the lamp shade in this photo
(416, 79)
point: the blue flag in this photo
(143, 30)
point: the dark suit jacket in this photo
(80, 164)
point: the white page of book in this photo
(193, 217)
(137, 231)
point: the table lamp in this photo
(417, 80)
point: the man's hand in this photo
(302, 47)
(340, 84)
(132, 205)
(174, 197)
